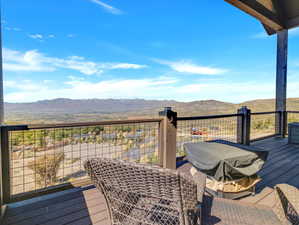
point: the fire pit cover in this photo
(225, 161)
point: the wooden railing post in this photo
(281, 123)
(167, 138)
(5, 168)
(285, 124)
(243, 126)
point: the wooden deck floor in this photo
(86, 206)
(282, 166)
(80, 206)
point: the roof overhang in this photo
(275, 15)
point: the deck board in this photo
(43, 215)
(282, 166)
(259, 197)
(86, 206)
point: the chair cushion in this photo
(228, 212)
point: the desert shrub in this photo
(263, 124)
(152, 158)
(97, 130)
(258, 125)
(74, 160)
(46, 167)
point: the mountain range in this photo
(71, 110)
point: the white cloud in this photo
(125, 66)
(71, 35)
(41, 37)
(294, 32)
(263, 34)
(81, 89)
(12, 28)
(24, 85)
(78, 88)
(35, 61)
(73, 78)
(260, 35)
(76, 63)
(89, 67)
(191, 68)
(9, 83)
(107, 7)
(225, 91)
(29, 61)
(48, 81)
(36, 36)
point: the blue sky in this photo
(182, 50)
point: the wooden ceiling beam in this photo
(269, 30)
(257, 10)
(292, 22)
(279, 8)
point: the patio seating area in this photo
(42, 165)
(87, 205)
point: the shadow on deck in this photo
(79, 206)
(86, 206)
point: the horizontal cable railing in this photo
(263, 124)
(293, 117)
(42, 156)
(294, 112)
(38, 159)
(206, 128)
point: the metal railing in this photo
(206, 128)
(40, 159)
(292, 116)
(263, 125)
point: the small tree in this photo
(46, 167)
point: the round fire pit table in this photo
(231, 168)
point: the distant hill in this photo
(69, 110)
(63, 105)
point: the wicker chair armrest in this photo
(193, 188)
(200, 180)
(288, 199)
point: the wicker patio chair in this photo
(138, 194)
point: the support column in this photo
(1, 77)
(167, 142)
(281, 80)
(5, 164)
